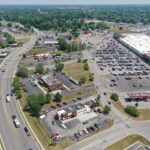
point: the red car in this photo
(3, 70)
(53, 106)
(76, 135)
(13, 116)
(89, 130)
(65, 103)
(59, 105)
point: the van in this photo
(42, 117)
(8, 99)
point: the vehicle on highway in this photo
(109, 103)
(53, 122)
(27, 131)
(8, 99)
(16, 122)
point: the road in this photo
(13, 138)
(122, 127)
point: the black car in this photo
(136, 104)
(27, 131)
(96, 125)
(109, 103)
(92, 128)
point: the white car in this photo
(85, 131)
(16, 122)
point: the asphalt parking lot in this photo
(73, 125)
(29, 87)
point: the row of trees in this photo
(35, 103)
(17, 87)
(69, 47)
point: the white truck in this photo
(8, 99)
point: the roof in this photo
(50, 80)
(136, 95)
(54, 135)
(140, 42)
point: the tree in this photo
(9, 24)
(115, 97)
(107, 109)
(132, 110)
(47, 70)
(69, 37)
(82, 80)
(98, 97)
(22, 72)
(86, 66)
(18, 94)
(39, 68)
(85, 61)
(35, 109)
(57, 97)
(48, 98)
(59, 67)
(17, 86)
(79, 60)
(91, 78)
(41, 99)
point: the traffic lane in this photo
(13, 139)
(13, 110)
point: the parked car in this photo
(92, 128)
(89, 130)
(53, 106)
(76, 135)
(85, 131)
(59, 105)
(65, 103)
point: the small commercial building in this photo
(138, 96)
(51, 82)
(72, 111)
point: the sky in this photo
(45, 2)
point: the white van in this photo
(8, 99)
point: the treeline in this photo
(73, 17)
(9, 40)
(69, 47)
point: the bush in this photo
(86, 66)
(79, 60)
(59, 67)
(22, 72)
(91, 78)
(18, 94)
(114, 97)
(39, 68)
(85, 61)
(132, 110)
(82, 80)
(107, 109)
(58, 97)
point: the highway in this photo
(13, 138)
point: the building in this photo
(72, 111)
(137, 43)
(51, 82)
(88, 32)
(138, 96)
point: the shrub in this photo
(132, 110)
(115, 97)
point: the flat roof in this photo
(87, 116)
(140, 42)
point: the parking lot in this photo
(74, 128)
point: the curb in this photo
(2, 147)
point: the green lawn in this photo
(127, 141)
(144, 113)
(36, 50)
(59, 52)
(76, 71)
(23, 40)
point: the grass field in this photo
(76, 71)
(120, 31)
(41, 132)
(83, 93)
(23, 40)
(36, 50)
(59, 52)
(144, 113)
(127, 141)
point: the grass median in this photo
(127, 141)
